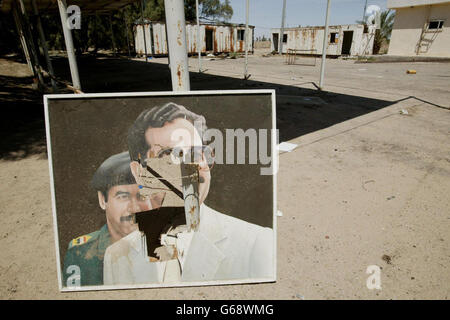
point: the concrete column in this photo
(69, 44)
(44, 44)
(176, 40)
(324, 47)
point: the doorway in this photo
(347, 42)
(275, 41)
(209, 38)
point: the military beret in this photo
(113, 171)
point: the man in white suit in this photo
(223, 247)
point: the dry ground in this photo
(367, 185)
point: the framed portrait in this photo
(163, 189)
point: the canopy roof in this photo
(86, 6)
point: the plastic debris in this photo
(286, 147)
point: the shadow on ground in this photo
(299, 110)
(22, 125)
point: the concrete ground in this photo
(367, 185)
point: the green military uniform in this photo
(87, 252)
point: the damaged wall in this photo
(215, 38)
(358, 40)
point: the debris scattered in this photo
(386, 258)
(404, 111)
(287, 147)
(390, 198)
(365, 182)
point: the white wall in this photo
(408, 26)
(224, 38)
(311, 38)
(409, 3)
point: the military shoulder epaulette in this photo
(83, 239)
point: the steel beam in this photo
(44, 45)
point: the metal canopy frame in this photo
(87, 6)
(22, 8)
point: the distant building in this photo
(421, 28)
(215, 38)
(352, 40)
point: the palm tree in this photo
(386, 23)
(383, 34)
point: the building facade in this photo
(352, 40)
(421, 28)
(215, 38)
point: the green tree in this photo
(383, 35)
(216, 9)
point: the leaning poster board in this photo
(163, 189)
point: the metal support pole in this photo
(95, 37)
(246, 75)
(23, 42)
(112, 34)
(199, 43)
(364, 13)
(179, 70)
(176, 40)
(32, 49)
(283, 16)
(143, 29)
(69, 44)
(126, 32)
(44, 45)
(324, 47)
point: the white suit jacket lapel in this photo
(204, 256)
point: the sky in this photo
(266, 14)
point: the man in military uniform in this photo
(119, 197)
